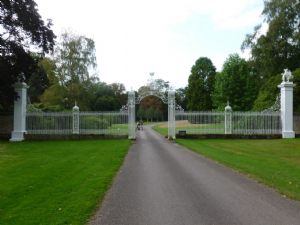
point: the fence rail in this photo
(89, 123)
(241, 122)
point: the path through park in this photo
(163, 183)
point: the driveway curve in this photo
(163, 183)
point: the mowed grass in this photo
(163, 131)
(274, 163)
(56, 182)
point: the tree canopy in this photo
(21, 27)
(200, 85)
(236, 84)
(279, 48)
(74, 59)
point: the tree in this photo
(74, 59)
(149, 114)
(119, 89)
(21, 27)
(141, 112)
(201, 85)
(180, 96)
(157, 114)
(236, 84)
(279, 48)
(269, 92)
(38, 83)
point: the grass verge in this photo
(163, 131)
(56, 182)
(274, 163)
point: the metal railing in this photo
(89, 122)
(241, 122)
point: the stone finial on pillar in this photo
(287, 105)
(19, 112)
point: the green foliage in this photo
(269, 92)
(236, 84)
(46, 107)
(38, 83)
(157, 114)
(200, 86)
(74, 61)
(149, 113)
(67, 180)
(279, 48)
(21, 26)
(180, 96)
(107, 104)
(95, 122)
(141, 112)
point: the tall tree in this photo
(119, 89)
(21, 27)
(236, 84)
(141, 112)
(157, 114)
(279, 48)
(75, 59)
(38, 83)
(201, 85)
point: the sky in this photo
(136, 37)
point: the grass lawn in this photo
(56, 182)
(275, 163)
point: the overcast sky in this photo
(136, 37)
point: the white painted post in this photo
(171, 115)
(75, 119)
(227, 119)
(287, 105)
(19, 112)
(131, 115)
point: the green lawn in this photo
(275, 163)
(56, 182)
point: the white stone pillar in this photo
(19, 112)
(227, 119)
(171, 115)
(287, 109)
(131, 115)
(287, 104)
(75, 119)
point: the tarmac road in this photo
(163, 183)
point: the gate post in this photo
(75, 119)
(287, 105)
(227, 119)
(171, 115)
(19, 112)
(131, 115)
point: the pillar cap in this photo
(20, 85)
(286, 84)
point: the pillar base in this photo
(288, 134)
(17, 136)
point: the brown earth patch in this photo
(183, 123)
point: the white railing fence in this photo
(239, 122)
(88, 122)
(200, 122)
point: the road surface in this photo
(164, 183)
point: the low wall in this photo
(229, 136)
(47, 137)
(6, 127)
